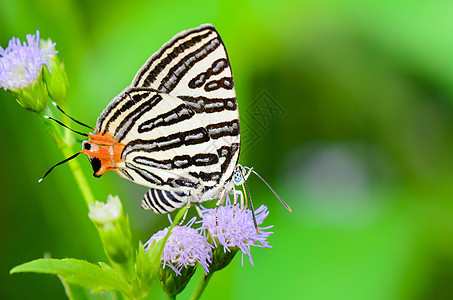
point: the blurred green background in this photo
(346, 109)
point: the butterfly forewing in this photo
(194, 67)
(193, 63)
(179, 121)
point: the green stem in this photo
(79, 177)
(65, 145)
(201, 286)
(171, 297)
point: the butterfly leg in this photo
(241, 195)
(185, 215)
(235, 201)
(221, 200)
(238, 195)
(189, 204)
(198, 210)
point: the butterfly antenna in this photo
(66, 126)
(251, 204)
(275, 193)
(61, 162)
(78, 122)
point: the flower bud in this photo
(115, 233)
(222, 257)
(173, 283)
(33, 97)
(55, 75)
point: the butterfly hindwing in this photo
(161, 201)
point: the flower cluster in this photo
(31, 71)
(229, 227)
(223, 232)
(21, 63)
(185, 247)
(234, 229)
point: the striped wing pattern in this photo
(179, 122)
(162, 201)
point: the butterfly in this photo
(176, 128)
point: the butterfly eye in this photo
(237, 177)
(86, 146)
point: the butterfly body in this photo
(176, 128)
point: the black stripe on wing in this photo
(222, 129)
(154, 180)
(158, 62)
(122, 103)
(216, 68)
(179, 161)
(129, 120)
(184, 138)
(172, 141)
(176, 115)
(161, 201)
(228, 152)
(146, 175)
(202, 104)
(194, 58)
(177, 72)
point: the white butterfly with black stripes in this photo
(176, 128)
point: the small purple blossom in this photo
(184, 247)
(21, 64)
(234, 228)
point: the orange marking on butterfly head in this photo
(103, 152)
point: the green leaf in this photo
(148, 264)
(74, 291)
(77, 292)
(75, 271)
(155, 253)
(144, 269)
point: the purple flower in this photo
(184, 247)
(21, 64)
(234, 228)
